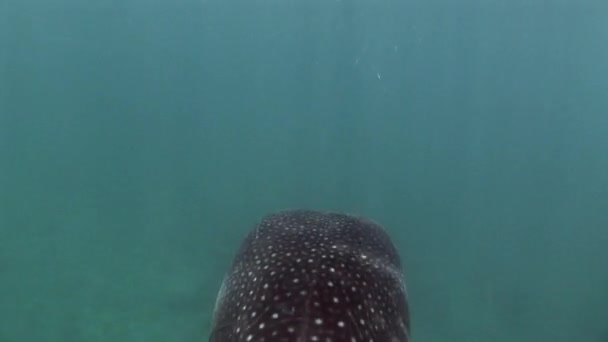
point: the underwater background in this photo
(141, 140)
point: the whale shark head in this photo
(313, 276)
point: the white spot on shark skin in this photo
(298, 267)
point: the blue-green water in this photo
(140, 140)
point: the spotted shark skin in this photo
(313, 276)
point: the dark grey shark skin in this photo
(313, 276)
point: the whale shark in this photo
(305, 275)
